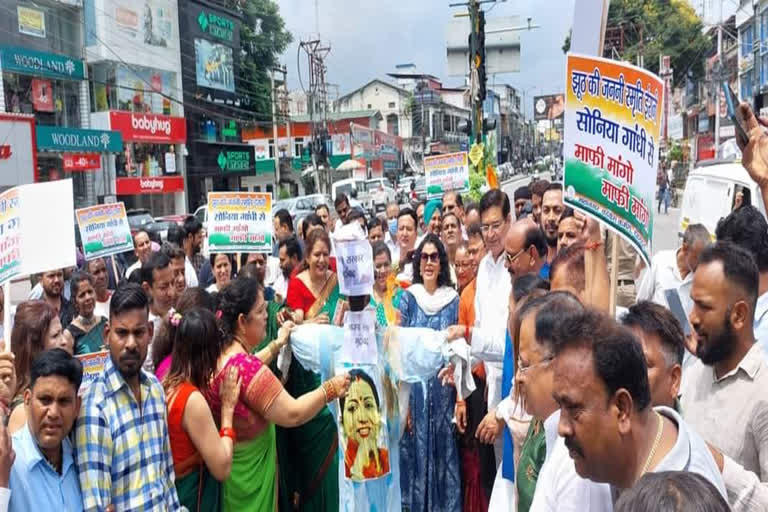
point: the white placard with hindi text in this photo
(359, 346)
(355, 267)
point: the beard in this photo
(287, 271)
(720, 345)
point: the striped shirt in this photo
(123, 451)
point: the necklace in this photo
(655, 444)
(86, 322)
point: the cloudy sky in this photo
(369, 37)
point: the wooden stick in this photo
(114, 269)
(614, 271)
(7, 315)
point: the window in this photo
(298, 146)
(764, 70)
(393, 127)
(391, 104)
(747, 34)
(764, 31)
(271, 148)
(369, 106)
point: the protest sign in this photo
(10, 233)
(359, 346)
(104, 230)
(355, 260)
(239, 222)
(93, 367)
(445, 173)
(612, 129)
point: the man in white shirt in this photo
(612, 432)
(142, 249)
(673, 269)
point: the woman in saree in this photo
(386, 292)
(263, 402)
(202, 454)
(429, 455)
(311, 480)
(86, 332)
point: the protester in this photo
(472, 214)
(429, 458)
(44, 476)
(673, 269)
(324, 213)
(748, 228)
(386, 292)
(522, 200)
(314, 297)
(476, 252)
(450, 235)
(551, 210)
(86, 332)
(157, 283)
(730, 375)
(53, 286)
(193, 244)
(178, 265)
(251, 484)
(476, 243)
(290, 255)
(672, 491)
(612, 432)
(628, 272)
(663, 346)
(526, 250)
(277, 313)
(453, 203)
(142, 249)
(260, 265)
(341, 205)
(222, 265)
(7, 458)
(538, 188)
(376, 230)
(390, 236)
(568, 229)
(465, 269)
(202, 453)
(98, 269)
(582, 270)
(420, 207)
(35, 328)
(433, 217)
(406, 239)
(122, 446)
(309, 222)
(164, 338)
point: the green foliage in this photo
(667, 27)
(675, 153)
(284, 193)
(476, 182)
(263, 38)
(567, 43)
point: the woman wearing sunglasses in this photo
(429, 456)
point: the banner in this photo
(612, 130)
(104, 230)
(93, 367)
(42, 95)
(23, 251)
(31, 21)
(81, 161)
(446, 173)
(239, 222)
(355, 260)
(214, 65)
(548, 107)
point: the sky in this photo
(369, 37)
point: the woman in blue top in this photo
(429, 455)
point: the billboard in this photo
(214, 66)
(548, 107)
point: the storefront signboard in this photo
(149, 185)
(216, 25)
(59, 138)
(235, 160)
(31, 21)
(104, 230)
(81, 161)
(239, 222)
(33, 62)
(148, 127)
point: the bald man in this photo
(526, 248)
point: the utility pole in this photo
(317, 98)
(477, 68)
(275, 100)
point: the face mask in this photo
(393, 226)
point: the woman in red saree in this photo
(263, 401)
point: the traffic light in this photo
(465, 126)
(489, 125)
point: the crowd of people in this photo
(656, 406)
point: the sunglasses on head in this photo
(434, 257)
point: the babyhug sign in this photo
(239, 222)
(612, 129)
(146, 127)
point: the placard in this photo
(239, 222)
(10, 234)
(93, 367)
(104, 230)
(355, 261)
(611, 147)
(359, 345)
(445, 173)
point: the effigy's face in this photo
(361, 417)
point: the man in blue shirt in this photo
(44, 476)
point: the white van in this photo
(346, 186)
(710, 192)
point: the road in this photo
(665, 225)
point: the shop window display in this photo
(53, 102)
(144, 160)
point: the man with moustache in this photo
(723, 391)
(98, 269)
(53, 286)
(607, 422)
(522, 198)
(44, 475)
(538, 188)
(123, 449)
(552, 209)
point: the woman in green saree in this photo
(263, 402)
(386, 291)
(202, 454)
(86, 332)
(308, 454)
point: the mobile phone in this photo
(732, 102)
(676, 307)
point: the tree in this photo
(657, 27)
(263, 38)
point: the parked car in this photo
(381, 192)
(142, 220)
(201, 214)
